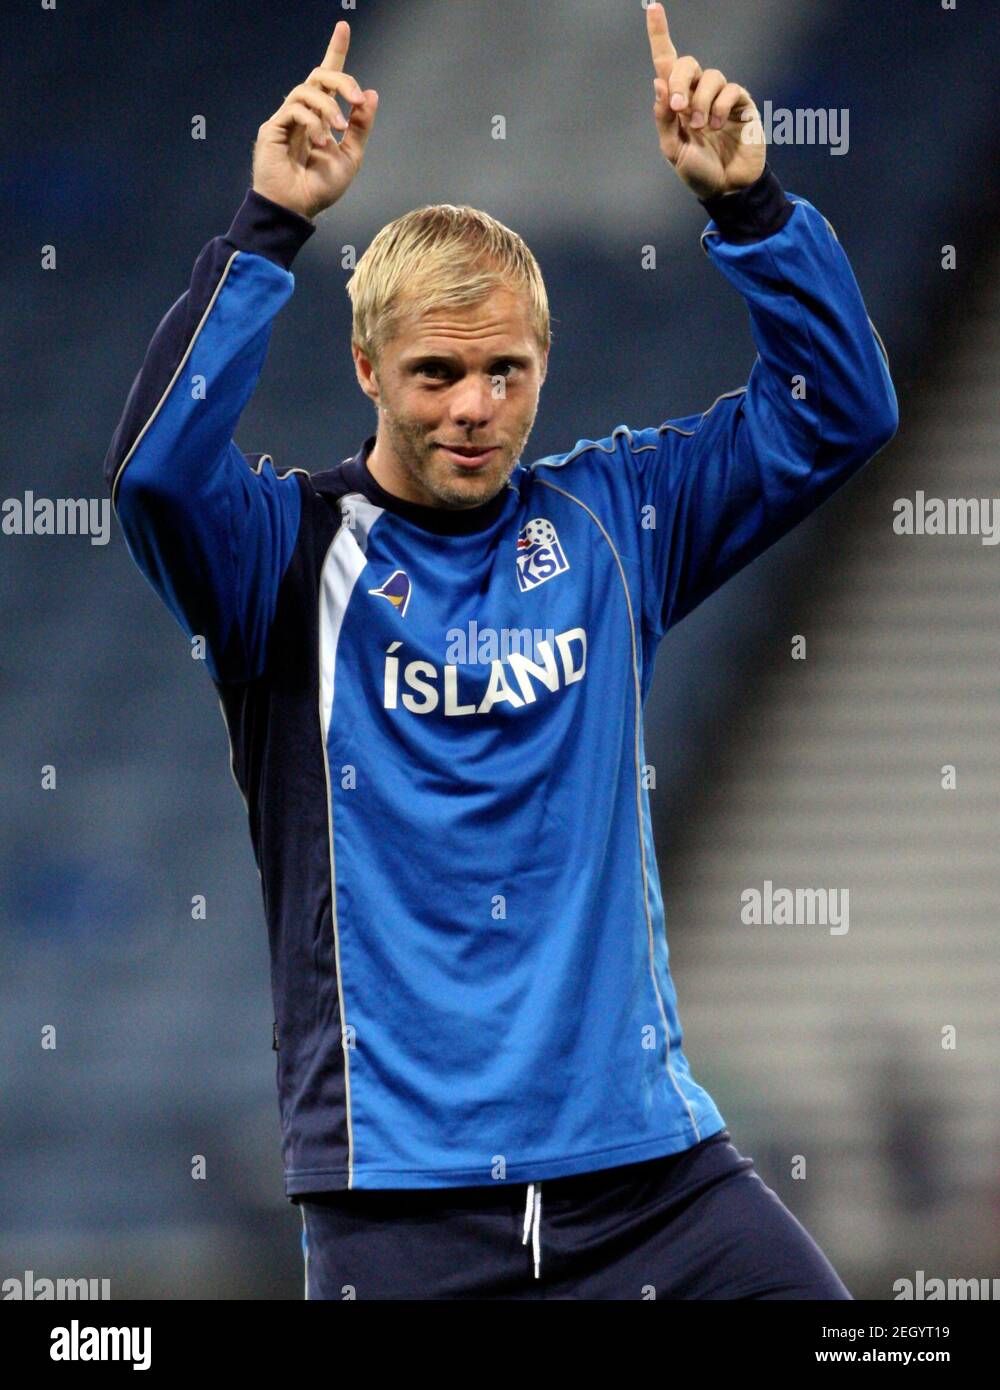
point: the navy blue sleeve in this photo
(717, 489)
(212, 532)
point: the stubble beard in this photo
(434, 477)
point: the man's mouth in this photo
(468, 455)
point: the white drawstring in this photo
(532, 1221)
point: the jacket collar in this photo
(444, 521)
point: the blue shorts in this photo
(697, 1224)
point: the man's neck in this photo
(385, 468)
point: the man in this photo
(473, 1004)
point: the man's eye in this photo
(436, 370)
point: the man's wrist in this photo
(269, 229)
(752, 213)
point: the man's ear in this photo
(365, 370)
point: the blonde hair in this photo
(440, 257)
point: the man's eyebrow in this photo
(520, 359)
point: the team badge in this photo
(539, 554)
(397, 590)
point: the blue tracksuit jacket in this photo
(435, 717)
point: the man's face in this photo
(467, 378)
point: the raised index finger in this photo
(336, 51)
(659, 38)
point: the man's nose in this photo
(472, 404)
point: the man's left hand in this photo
(710, 129)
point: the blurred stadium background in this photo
(823, 772)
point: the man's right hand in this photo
(296, 160)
